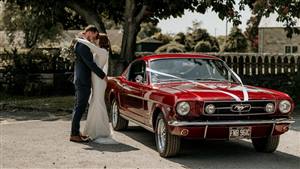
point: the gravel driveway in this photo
(40, 140)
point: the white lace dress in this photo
(97, 124)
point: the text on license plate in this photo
(239, 132)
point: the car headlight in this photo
(270, 107)
(183, 108)
(210, 109)
(285, 106)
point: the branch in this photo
(141, 14)
(90, 15)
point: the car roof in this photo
(176, 55)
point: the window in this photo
(287, 49)
(291, 49)
(189, 69)
(137, 72)
(295, 49)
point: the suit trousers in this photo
(82, 94)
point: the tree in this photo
(196, 34)
(236, 41)
(252, 24)
(180, 38)
(172, 47)
(148, 29)
(133, 12)
(252, 31)
(221, 41)
(138, 11)
(203, 46)
(68, 11)
(164, 38)
(37, 26)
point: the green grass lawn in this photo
(52, 102)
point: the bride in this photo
(97, 125)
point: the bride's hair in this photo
(104, 42)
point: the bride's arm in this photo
(92, 46)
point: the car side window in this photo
(137, 72)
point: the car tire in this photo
(118, 122)
(266, 144)
(167, 145)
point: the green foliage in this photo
(203, 46)
(20, 74)
(236, 41)
(180, 38)
(111, 24)
(37, 26)
(221, 41)
(148, 29)
(45, 103)
(196, 34)
(164, 38)
(252, 31)
(172, 47)
(61, 14)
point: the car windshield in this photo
(189, 69)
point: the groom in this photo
(84, 64)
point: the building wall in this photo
(274, 40)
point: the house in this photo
(64, 40)
(148, 45)
(272, 37)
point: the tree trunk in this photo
(31, 37)
(131, 28)
(129, 42)
(90, 16)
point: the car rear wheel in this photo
(167, 145)
(118, 122)
(266, 144)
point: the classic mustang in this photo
(196, 96)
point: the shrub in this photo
(172, 47)
(203, 46)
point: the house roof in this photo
(149, 40)
(270, 22)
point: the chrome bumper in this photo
(231, 122)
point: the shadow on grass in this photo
(219, 154)
(25, 115)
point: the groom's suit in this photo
(84, 64)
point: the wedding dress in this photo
(97, 124)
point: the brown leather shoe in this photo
(83, 136)
(79, 139)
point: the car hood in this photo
(219, 91)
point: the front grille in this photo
(226, 108)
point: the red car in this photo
(196, 96)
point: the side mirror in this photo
(139, 79)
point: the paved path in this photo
(41, 141)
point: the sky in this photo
(210, 21)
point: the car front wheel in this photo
(118, 122)
(168, 145)
(267, 144)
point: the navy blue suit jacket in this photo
(84, 64)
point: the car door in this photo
(132, 94)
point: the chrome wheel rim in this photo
(115, 114)
(161, 135)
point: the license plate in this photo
(239, 132)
